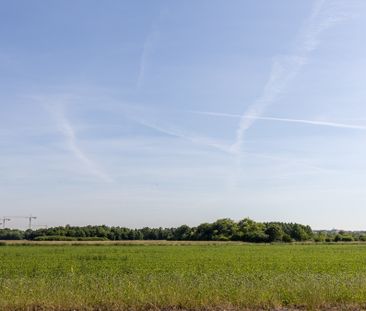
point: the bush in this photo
(343, 238)
(347, 238)
(11, 234)
(274, 232)
(286, 238)
(362, 237)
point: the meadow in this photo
(189, 276)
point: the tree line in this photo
(245, 230)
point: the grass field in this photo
(196, 276)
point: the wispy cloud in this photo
(206, 142)
(179, 134)
(146, 51)
(148, 47)
(289, 120)
(66, 128)
(286, 68)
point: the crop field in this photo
(183, 276)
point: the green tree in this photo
(274, 232)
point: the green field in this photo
(216, 276)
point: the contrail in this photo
(146, 50)
(304, 121)
(69, 133)
(219, 146)
(72, 144)
(286, 68)
(194, 139)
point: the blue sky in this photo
(160, 113)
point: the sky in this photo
(162, 113)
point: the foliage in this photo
(225, 229)
(11, 234)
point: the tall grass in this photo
(139, 277)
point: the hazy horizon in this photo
(157, 113)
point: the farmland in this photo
(193, 276)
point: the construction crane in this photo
(4, 221)
(30, 218)
(30, 221)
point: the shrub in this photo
(286, 238)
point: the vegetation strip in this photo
(190, 277)
(245, 230)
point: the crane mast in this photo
(8, 218)
(4, 221)
(30, 221)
